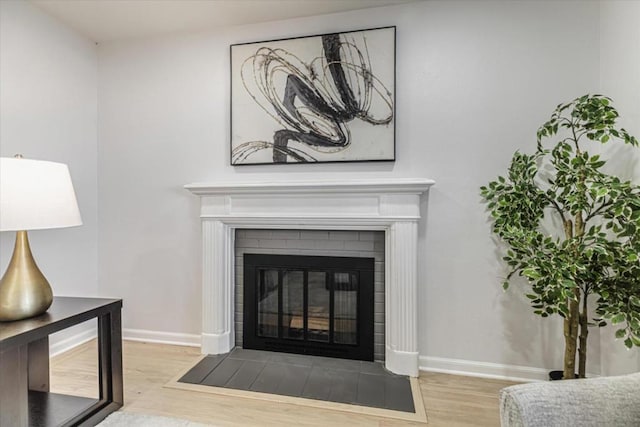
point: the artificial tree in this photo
(572, 230)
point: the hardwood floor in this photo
(450, 400)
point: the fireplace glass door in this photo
(309, 305)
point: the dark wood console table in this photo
(25, 399)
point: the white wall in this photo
(620, 79)
(48, 111)
(48, 106)
(474, 81)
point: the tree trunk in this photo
(571, 322)
(584, 332)
(581, 317)
(571, 325)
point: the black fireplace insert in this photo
(315, 305)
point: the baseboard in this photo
(426, 363)
(173, 338)
(58, 347)
(483, 369)
(190, 340)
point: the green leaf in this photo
(618, 318)
(634, 300)
(620, 333)
(531, 273)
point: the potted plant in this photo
(571, 230)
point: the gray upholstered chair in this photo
(605, 401)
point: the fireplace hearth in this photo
(315, 305)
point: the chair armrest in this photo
(606, 401)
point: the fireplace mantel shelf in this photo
(391, 205)
(396, 186)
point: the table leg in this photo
(39, 365)
(110, 357)
(14, 397)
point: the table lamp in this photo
(34, 195)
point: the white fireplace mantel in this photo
(391, 205)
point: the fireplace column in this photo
(217, 293)
(401, 316)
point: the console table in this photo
(25, 399)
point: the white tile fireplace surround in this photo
(391, 205)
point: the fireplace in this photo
(317, 305)
(390, 205)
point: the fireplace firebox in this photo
(315, 305)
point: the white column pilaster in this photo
(401, 294)
(217, 290)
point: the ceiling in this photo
(107, 20)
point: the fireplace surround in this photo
(392, 206)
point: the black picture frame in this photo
(322, 98)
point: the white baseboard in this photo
(173, 338)
(73, 341)
(190, 340)
(483, 369)
(427, 363)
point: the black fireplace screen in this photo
(309, 304)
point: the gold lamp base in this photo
(24, 291)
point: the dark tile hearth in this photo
(312, 377)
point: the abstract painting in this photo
(323, 98)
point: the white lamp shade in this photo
(36, 194)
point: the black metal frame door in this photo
(361, 272)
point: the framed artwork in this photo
(315, 99)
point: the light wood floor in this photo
(450, 400)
